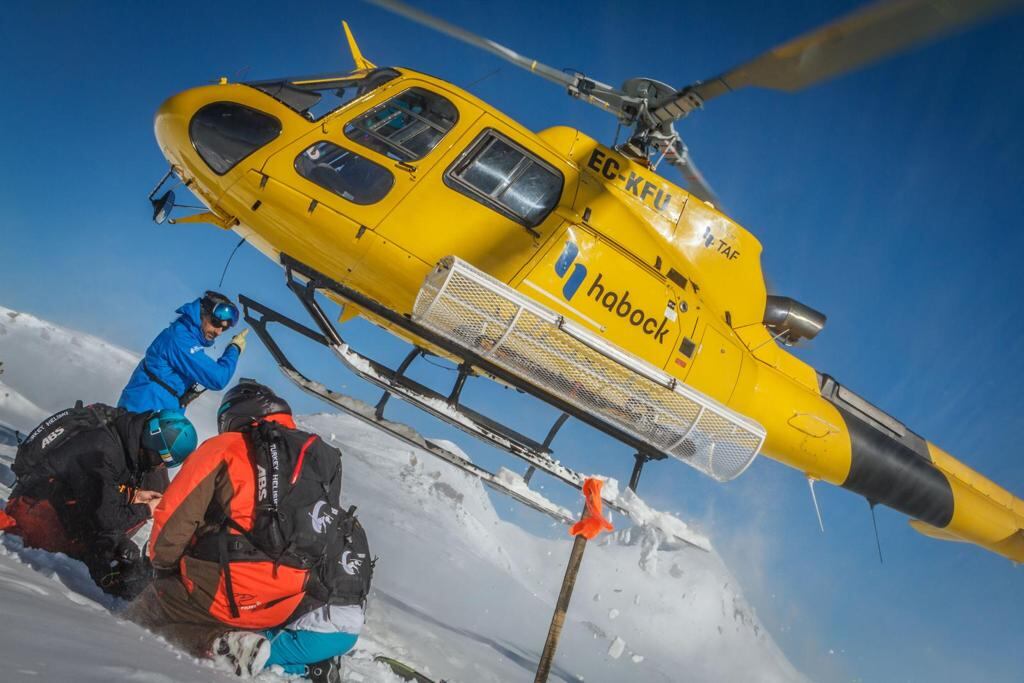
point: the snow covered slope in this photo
(458, 592)
(46, 367)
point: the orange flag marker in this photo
(592, 523)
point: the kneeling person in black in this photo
(81, 488)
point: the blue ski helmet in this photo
(170, 434)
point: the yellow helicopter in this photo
(561, 267)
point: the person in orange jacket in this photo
(221, 591)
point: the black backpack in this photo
(344, 577)
(295, 521)
(36, 451)
(298, 485)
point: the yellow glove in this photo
(239, 340)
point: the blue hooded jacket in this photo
(178, 358)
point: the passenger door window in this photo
(406, 127)
(502, 175)
(344, 173)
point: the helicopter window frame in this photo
(359, 199)
(199, 144)
(303, 95)
(454, 177)
(392, 146)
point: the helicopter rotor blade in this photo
(420, 17)
(856, 40)
(594, 92)
(677, 154)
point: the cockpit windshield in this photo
(317, 96)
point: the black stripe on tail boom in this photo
(887, 471)
(889, 464)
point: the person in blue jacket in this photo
(176, 368)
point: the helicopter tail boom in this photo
(983, 512)
(891, 465)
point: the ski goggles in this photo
(224, 314)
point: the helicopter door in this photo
(490, 202)
(357, 165)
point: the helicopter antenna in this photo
(874, 523)
(228, 262)
(817, 510)
(484, 77)
(357, 54)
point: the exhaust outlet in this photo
(792, 320)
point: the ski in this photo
(404, 671)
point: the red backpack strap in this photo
(302, 457)
(6, 521)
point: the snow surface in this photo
(458, 592)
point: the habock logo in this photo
(350, 565)
(322, 521)
(51, 436)
(579, 271)
(599, 290)
(624, 308)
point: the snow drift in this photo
(458, 592)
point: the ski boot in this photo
(326, 671)
(243, 651)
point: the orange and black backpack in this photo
(297, 520)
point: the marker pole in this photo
(561, 607)
(590, 525)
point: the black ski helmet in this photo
(245, 403)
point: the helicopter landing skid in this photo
(395, 382)
(512, 486)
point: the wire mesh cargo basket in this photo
(536, 344)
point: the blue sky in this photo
(889, 199)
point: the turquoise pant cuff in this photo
(293, 650)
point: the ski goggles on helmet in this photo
(222, 311)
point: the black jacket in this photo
(91, 478)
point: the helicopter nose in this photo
(204, 133)
(170, 126)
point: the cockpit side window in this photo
(317, 96)
(406, 127)
(504, 176)
(224, 133)
(344, 173)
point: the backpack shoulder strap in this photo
(156, 380)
